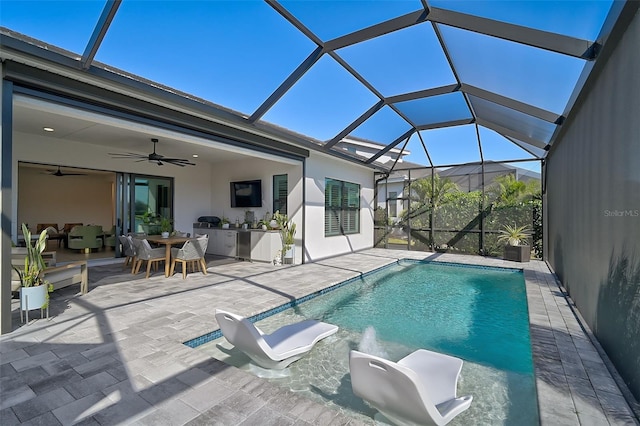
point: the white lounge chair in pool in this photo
(420, 389)
(278, 349)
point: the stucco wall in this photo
(318, 168)
(204, 189)
(250, 169)
(67, 199)
(593, 207)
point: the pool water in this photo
(477, 314)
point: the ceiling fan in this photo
(61, 173)
(153, 157)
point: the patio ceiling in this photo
(482, 80)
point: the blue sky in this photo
(235, 53)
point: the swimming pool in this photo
(476, 313)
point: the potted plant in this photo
(165, 227)
(287, 231)
(224, 222)
(34, 289)
(150, 223)
(515, 239)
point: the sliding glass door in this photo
(141, 201)
(152, 200)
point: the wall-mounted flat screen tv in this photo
(246, 193)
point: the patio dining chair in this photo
(129, 251)
(144, 252)
(191, 252)
(137, 234)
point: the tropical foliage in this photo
(506, 190)
(287, 230)
(165, 224)
(34, 265)
(514, 235)
(442, 217)
(424, 192)
(426, 197)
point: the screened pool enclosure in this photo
(461, 116)
(427, 82)
(398, 86)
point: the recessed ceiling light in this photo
(48, 129)
(195, 156)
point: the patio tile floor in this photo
(115, 355)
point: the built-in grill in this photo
(207, 222)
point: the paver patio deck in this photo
(115, 355)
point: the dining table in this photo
(168, 242)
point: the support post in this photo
(6, 171)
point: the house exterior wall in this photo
(388, 188)
(251, 169)
(593, 206)
(318, 168)
(204, 190)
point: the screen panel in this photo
(527, 74)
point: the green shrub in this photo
(441, 216)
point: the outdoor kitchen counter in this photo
(262, 246)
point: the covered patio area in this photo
(115, 355)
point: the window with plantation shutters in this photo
(341, 208)
(280, 192)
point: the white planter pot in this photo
(33, 298)
(225, 226)
(289, 255)
(165, 235)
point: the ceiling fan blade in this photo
(127, 155)
(154, 157)
(58, 172)
(181, 163)
(178, 160)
